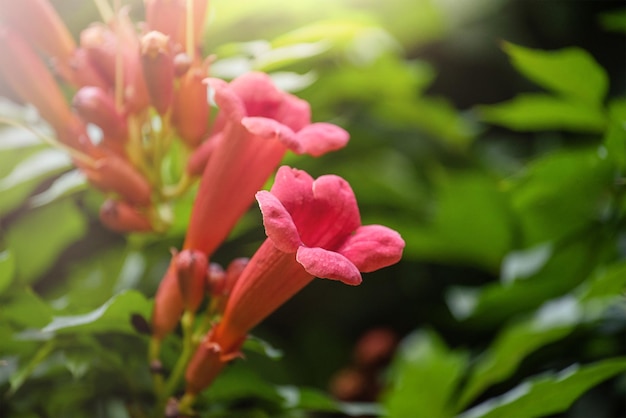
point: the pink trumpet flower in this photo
(313, 229)
(255, 127)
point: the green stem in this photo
(189, 345)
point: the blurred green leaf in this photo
(615, 135)
(478, 232)
(25, 309)
(553, 321)
(260, 346)
(571, 72)
(561, 193)
(424, 375)
(18, 379)
(614, 20)
(38, 237)
(548, 394)
(609, 281)
(114, 316)
(522, 264)
(569, 266)
(28, 173)
(7, 269)
(67, 184)
(540, 112)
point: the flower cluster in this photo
(142, 87)
(145, 87)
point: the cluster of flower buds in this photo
(141, 86)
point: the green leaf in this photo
(480, 233)
(7, 269)
(522, 264)
(114, 316)
(560, 193)
(65, 185)
(308, 399)
(614, 20)
(553, 321)
(609, 282)
(260, 346)
(27, 175)
(40, 236)
(25, 309)
(18, 379)
(548, 394)
(540, 112)
(424, 376)
(615, 135)
(571, 72)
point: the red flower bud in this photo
(191, 107)
(32, 82)
(100, 43)
(114, 174)
(191, 271)
(158, 69)
(119, 216)
(40, 25)
(200, 156)
(94, 105)
(182, 64)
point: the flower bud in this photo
(94, 105)
(182, 64)
(40, 25)
(168, 17)
(191, 271)
(80, 71)
(191, 107)
(100, 43)
(158, 69)
(32, 82)
(114, 174)
(221, 282)
(121, 217)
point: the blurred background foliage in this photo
(490, 133)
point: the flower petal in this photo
(328, 265)
(373, 247)
(294, 188)
(266, 128)
(333, 215)
(319, 138)
(278, 224)
(231, 106)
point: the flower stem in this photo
(188, 348)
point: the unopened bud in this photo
(191, 271)
(121, 217)
(168, 17)
(94, 105)
(23, 70)
(375, 348)
(158, 69)
(191, 107)
(40, 24)
(221, 282)
(100, 43)
(114, 174)
(182, 64)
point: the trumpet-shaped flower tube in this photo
(313, 229)
(255, 127)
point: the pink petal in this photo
(294, 112)
(373, 247)
(231, 106)
(328, 265)
(270, 129)
(259, 94)
(278, 224)
(294, 188)
(319, 138)
(333, 215)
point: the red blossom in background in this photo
(313, 229)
